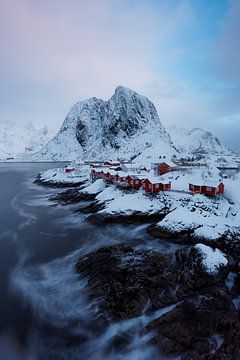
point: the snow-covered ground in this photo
(207, 217)
(58, 176)
(201, 216)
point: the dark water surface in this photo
(41, 296)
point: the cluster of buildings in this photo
(133, 176)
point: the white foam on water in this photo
(56, 296)
(29, 218)
(53, 291)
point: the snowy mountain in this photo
(196, 141)
(127, 125)
(20, 139)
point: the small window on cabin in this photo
(137, 182)
(208, 188)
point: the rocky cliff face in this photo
(124, 126)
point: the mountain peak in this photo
(123, 126)
(125, 92)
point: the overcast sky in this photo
(182, 54)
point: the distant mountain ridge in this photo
(126, 126)
(196, 141)
(16, 139)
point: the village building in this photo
(68, 169)
(154, 184)
(161, 168)
(111, 163)
(136, 181)
(122, 179)
(132, 167)
(207, 188)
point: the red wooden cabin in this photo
(155, 185)
(115, 178)
(135, 181)
(122, 180)
(163, 168)
(211, 189)
(68, 169)
(109, 163)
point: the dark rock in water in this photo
(193, 327)
(186, 236)
(56, 184)
(124, 280)
(93, 207)
(124, 283)
(229, 243)
(136, 217)
(73, 196)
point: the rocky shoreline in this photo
(186, 310)
(125, 283)
(57, 184)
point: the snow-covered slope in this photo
(20, 139)
(196, 141)
(125, 126)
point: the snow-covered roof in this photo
(155, 180)
(209, 183)
(163, 161)
(130, 166)
(122, 174)
(112, 172)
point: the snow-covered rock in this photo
(212, 259)
(196, 141)
(58, 178)
(125, 126)
(18, 139)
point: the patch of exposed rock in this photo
(73, 196)
(229, 242)
(136, 217)
(93, 207)
(124, 283)
(204, 326)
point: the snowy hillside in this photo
(20, 139)
(196, 141)
(126, 125)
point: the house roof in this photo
(164, 161)
(156, 180)
(208, 183)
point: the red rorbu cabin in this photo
(163, 168)
(68, 169)
(155, 185)
(109, 163)
(115, 178)
(211, 189)
(134, 181)
(122, 180)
